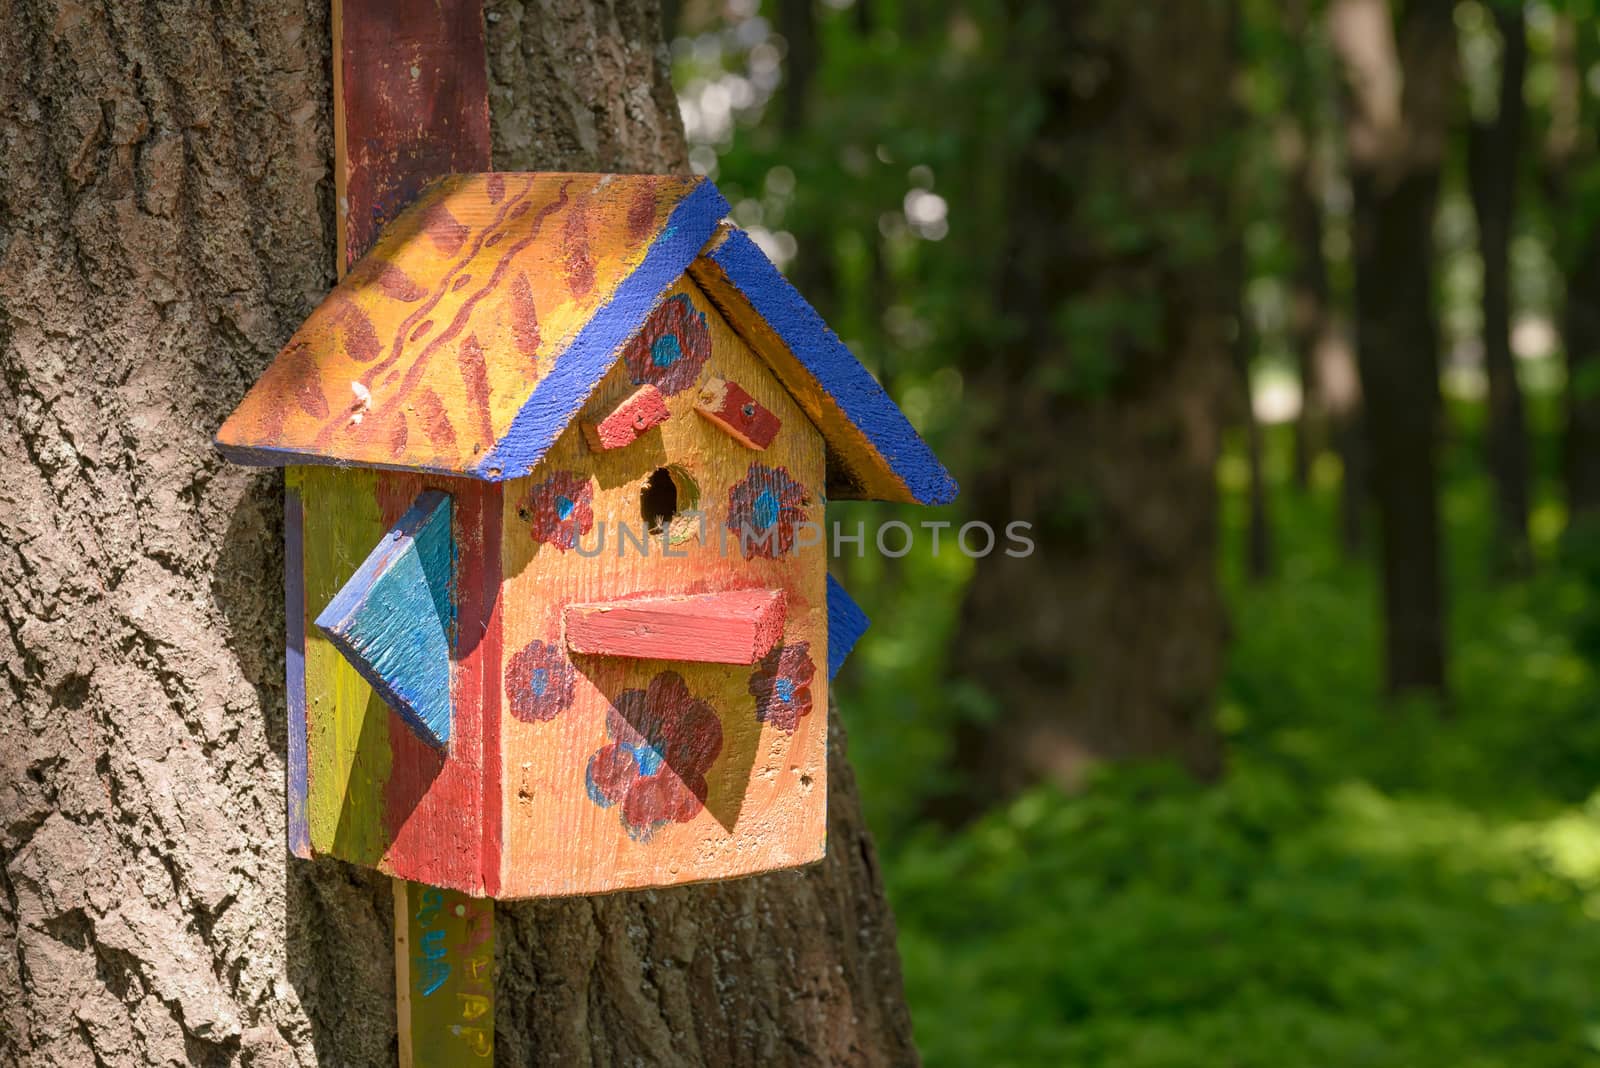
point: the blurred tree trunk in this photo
(1399, 73)
(1493, 151)
(1259, 559)
(1580, 329)
(813, 270)
(1570, 145)
(1310, 306)
(1103, 403)
(1339, 396)
(1330, 409)
(166, 219)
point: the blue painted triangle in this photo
(846, 624)
(395, 619)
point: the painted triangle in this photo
(394, 621)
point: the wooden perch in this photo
(739, 627)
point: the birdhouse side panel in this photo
(689, 740)
(376, 793)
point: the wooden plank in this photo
(434, 346)
(846, 624)
(480, 654)
(294, 606)
(411, 102)
(615, 778)
(560, 395)
(434, 808)
(348, 752)
(395, 618)
(737, 627)
(873, 451)
(444, 976)
(642, 409)
(743, 417)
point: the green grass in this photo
(1369, 885)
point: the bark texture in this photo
(165, 222)
(1106, 642)
(1398, 62)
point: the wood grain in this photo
(411, 102)
(294, 656)
(846, 624)
(642, 409)
(736, 627)
(469, 336)
(605, 765)
(444, 968)
(740, 415)
(873, 452)
(394, 621)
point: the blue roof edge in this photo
(577, 370)
(861, 398)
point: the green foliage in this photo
(1368, 885)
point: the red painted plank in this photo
(727, 405)
(643, 409)
(411, 103)
(433, 801)
(738, 627)
(480, 658)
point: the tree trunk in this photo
(1400, 86)
(1493, 150)
(1570, 145)
(1581, 338)
(1339, 396)
(1310, 304)
(166, 220)
(1330, 407)
(1259, 557)
(1105, 403)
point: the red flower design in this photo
(672, 347)
(540, 681)
(782, 686)
(764, 509)
(664, 741)
(560, 510)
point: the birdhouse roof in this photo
(475, 329)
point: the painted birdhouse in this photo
(559, 617)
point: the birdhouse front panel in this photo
(655, 733)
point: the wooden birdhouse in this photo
(559, 618)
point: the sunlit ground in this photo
(1370, 885)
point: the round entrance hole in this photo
(669, 502)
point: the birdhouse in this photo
(558, 451)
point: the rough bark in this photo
(1399, 72)
(1104, 404)
(165, 221)
(1493, 150)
